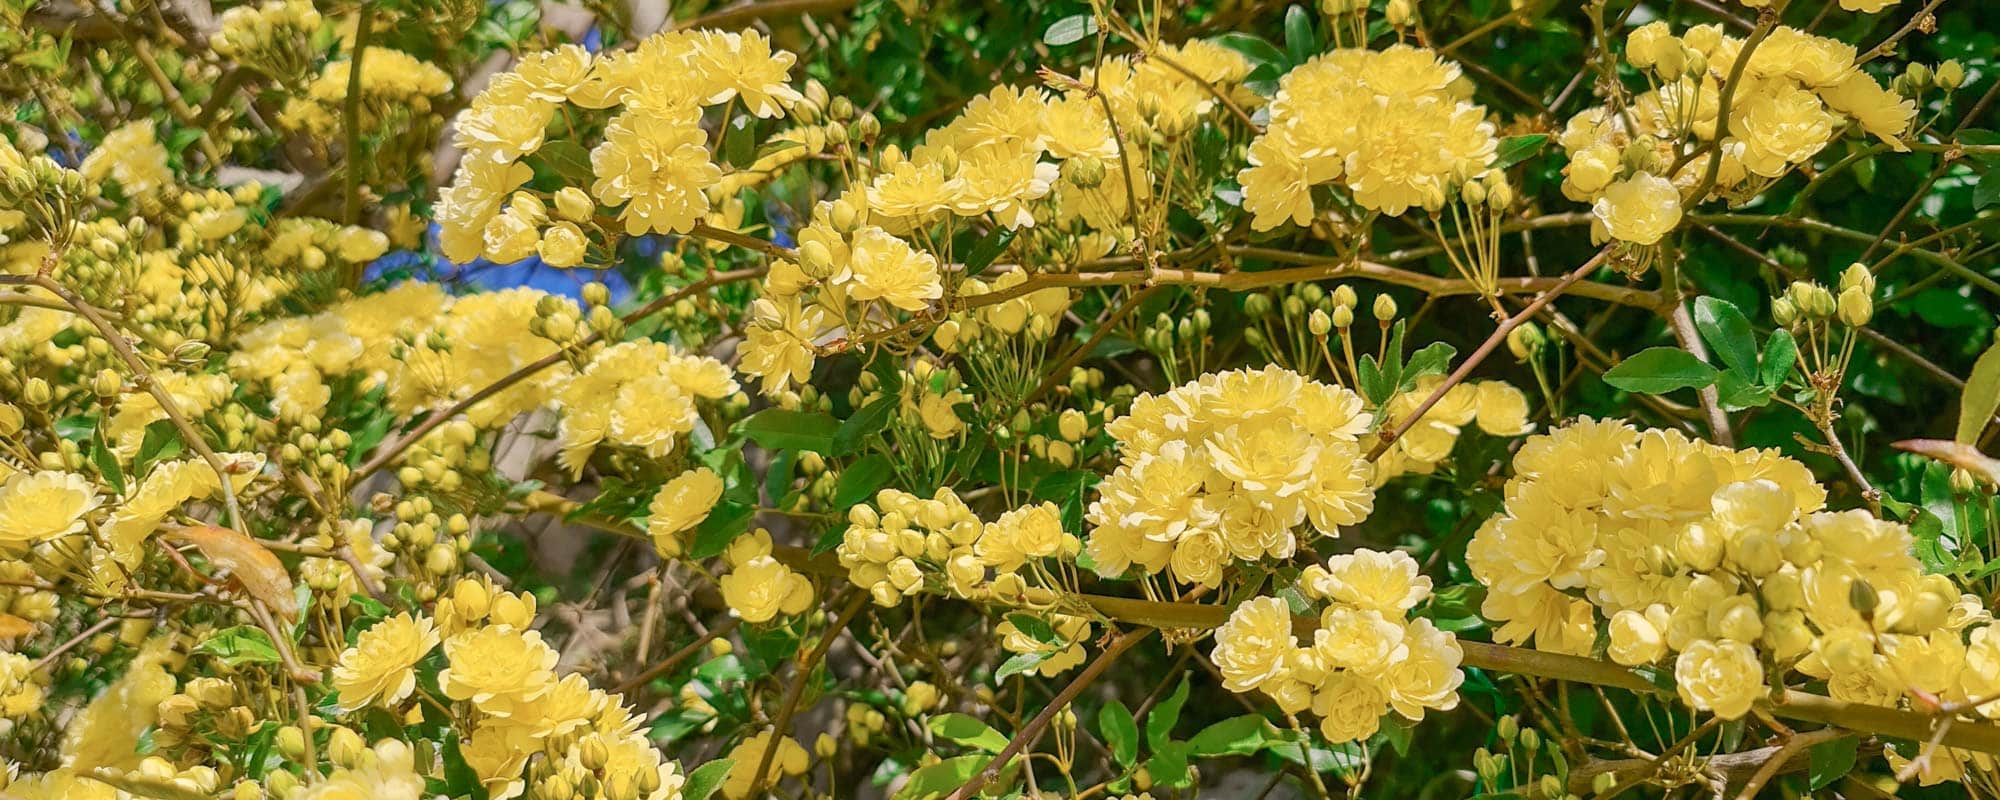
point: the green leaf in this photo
(163, 441)
(739, 144)
(1374, 385)
(1035, 628)
(1432, 360)
(181, 138)
(107, 463)
(967, 730)
(705, 779)
(1161, 720)
(1516, 149)
(865, 422)
(942, 777)
(1169, 764)
(1724, 327)
(989, 247)
(1300, 41)
(1236, 736)
(1252, 47)
(459, 777)
(1070, 30)
(860, 479)
(1737, 392)
(1120, 732)
(243, 644)
(1986, 192)
(1781, 351)
(1018, 664)
(783, 429)
(1981, 396)
(1832, 760)
(1660, 370)
(728, 520)
(567, 159)
(76, 428)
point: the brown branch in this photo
(678, 656)
(781, 727)
(1485, 349)
(1032, 732)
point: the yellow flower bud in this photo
(1385, 308)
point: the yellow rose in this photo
(760, 588)
(38, 506)
(1641, 209)
(496, 666)
(1721, 676)
(1635, 639)
(681, 505)
(381, 664)
(1384, 581)
(1349, 706)
(1251, 648)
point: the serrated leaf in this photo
(863, 423)
(860, 479)
(1069, 30)
(1035, 628)
(1161, 720)
(1236, 736)
(989, 248)
(1018, 664)
(1433, 359)
(705, 779)
(566, 159)
(728, 520)
(968, 730)
(1980, 397)
(1724, 327)
(1120, 732)
(1832, 760)
(1169, 764)
(1300, 42)
(784, 429)
(1516, 149)
(1781, 351)
(1660, 370)
(1252, 47)
(243, 644)
(942, 777)
(739, 146)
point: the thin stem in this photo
(1485, 349)
(781, 727)
(1032, 732)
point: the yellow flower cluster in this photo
(1724, 557)
(903, 545)
(394, 86)
(134, 158)
(272, 36)
(758, 587)
(520, 708)
(1366, 658)
(653, 163)
(1392, 126)
(1796, 93)
(1496, 407)
(639, 395)
(1227, 468)
(789, 759)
